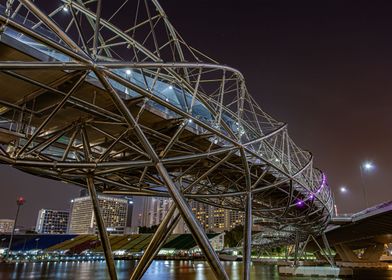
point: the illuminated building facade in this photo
(114, 214)
(214, 219)
(6, 225)
(154, 210)
(52, 221)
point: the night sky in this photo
(323, 67)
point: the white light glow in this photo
(65, 9)
(343, 189)
(368, 165)
(128, 72)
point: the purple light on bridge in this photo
(299, 203)
(323, 183)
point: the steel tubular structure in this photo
(112, 98)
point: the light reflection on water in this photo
(159, 270)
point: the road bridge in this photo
(369, 229)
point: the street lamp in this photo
(2, 240)
(367, 166)
(19, 202)
(36, 244)
(343, 189)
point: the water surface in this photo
(159, 270)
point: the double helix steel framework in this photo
(107, 95)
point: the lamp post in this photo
(19, 202)
(2, 240)
(36, 244)
(365, 167)
(342, 190)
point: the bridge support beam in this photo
(247, 246)
(296, 249)
(286, 253)
(107, 250)
(179, 199)
(165, 228)
(372, 253)
(194, 226)
(327, 248)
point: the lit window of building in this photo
(114, 213)
(52, 221)
(6, 225)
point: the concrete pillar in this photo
(373, 253)
(345, 253)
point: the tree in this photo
(234, 236)
(151, 229)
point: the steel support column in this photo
(296, 248)
(197, 232)
(102, 229)
(247, 246)
(286, 253)
(165, 228)
(326, 254)
(328, 248)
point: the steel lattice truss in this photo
(115, 95)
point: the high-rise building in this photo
(52, 221)
(211, 218)
(6, 225)
(154, 210)
(202, 213)
(214, 219)
(114, 213)
(233, 218)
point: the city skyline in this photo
(299, 65)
